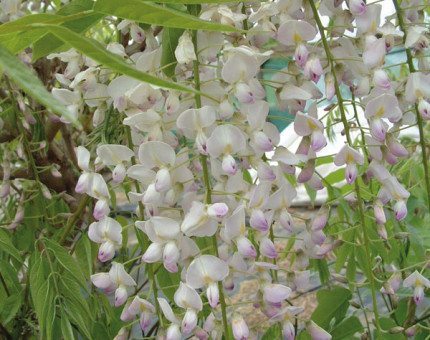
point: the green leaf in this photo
(170, 41)
(67, 262)
(151, 13)
(336, 176)
(346, 329)
(70, 289)
(31, 84)
(331, 304)
(9, 308)
(311, 193)
(386, 324)
(167, 282)
(76, 316)
(21, 24)
(50, 43)
(272, 333)
(197, 2)
(98, 53)
(351, 269)
(7, 246)
(66, 327)
(247, 176)
(83, 255)
(10, 275)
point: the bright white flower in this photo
(184, 52)
(205, 271)
(186, 297)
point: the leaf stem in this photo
(350, 143)
(208, 198)
(412, 69)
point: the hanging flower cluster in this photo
(212, 183)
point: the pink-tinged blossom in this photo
(378, 210)
(239, 328)
(306, 125)
(392, 285)
(273, 294)
(313, 69)
(193, 123)
(139, 306)
(357, 7)
(419, 283)
(350, 157)
(301, 55)
(205, 271)
(381, 80)
(268, 249)
(225, 141)
(417, 87)
(186, 297)
(293, 32)
(117, 279)
(117, 155)
(107, 231)
(286, 317)
(424, 108)
(235, 231)
(369, 21)
(173, 331)
(164, 234)
(202, 220)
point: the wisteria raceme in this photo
(215, 185)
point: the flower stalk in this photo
(350, 143)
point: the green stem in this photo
(350, 143)
(419, 118)
(151, 275)
(208, 198)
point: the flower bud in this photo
(244, 94)
(401, 236)
(357, 7)
(396, 330)
(400, 210)
(378, 210)
(239, 327)
(381, 80)
(301, 55)
(229, 164)
(424, 109)
(118, 174)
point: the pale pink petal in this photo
(189, 322)
(268, 249)
(212, 293)
(275, 293)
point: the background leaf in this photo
(98, 53)
(151, 13)
(170, 42)
(31, 84)
(331, 304)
